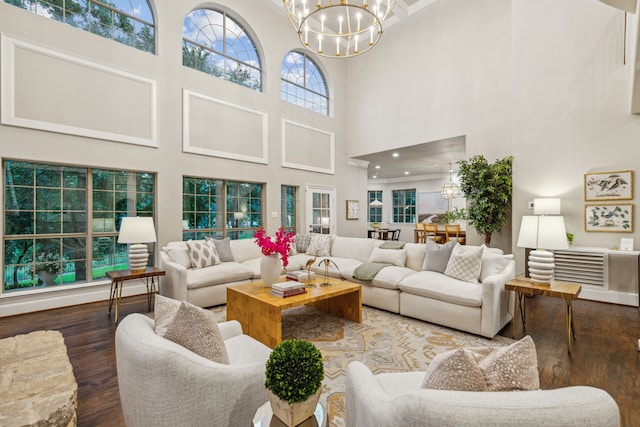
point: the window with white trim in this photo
(302, 83)
(404, 206)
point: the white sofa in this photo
(396, 399)
(481, 308)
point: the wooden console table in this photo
(118, 277)
(565, 290)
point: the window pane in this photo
(302, 83)
(216, 44)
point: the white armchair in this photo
(396, 399)
(164, 384)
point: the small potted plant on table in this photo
(294, 374)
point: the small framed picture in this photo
(608, 186)
(615, 217)
(626, 244)
(353, 209)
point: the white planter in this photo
(293, 414)
(270, 269)
(47, 278)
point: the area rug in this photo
(384, 341)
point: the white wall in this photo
(541, 80)
(275, 37)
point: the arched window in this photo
(126, 21)
(217, 44)
(302, 83)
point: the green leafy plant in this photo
(487, 188)
(47, 262)
(294, 370)
(453, 215)
(570, 238)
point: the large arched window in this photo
(127, 21)
(302, 83)
(215, 43)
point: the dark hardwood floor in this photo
(604, 354)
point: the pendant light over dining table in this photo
(338, 28)
(451, 190)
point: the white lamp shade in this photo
(376, 202)
(548, 206)
(137, 229)
(544, 232)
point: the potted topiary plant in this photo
(294, 374)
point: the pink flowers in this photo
(281, 246)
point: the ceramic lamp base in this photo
(541, 266)
(138, 257)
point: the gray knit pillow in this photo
(437, 256)
(223, 247)
(196, 329)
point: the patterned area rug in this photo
(384, 341)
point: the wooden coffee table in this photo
(260, 313)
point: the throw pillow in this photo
(223, 248)
(302, 242)
(493, 263)
(454, 370)
(389, 256)
(320, 245)
(437, 256)
(198, 332)
(514, 367)
(179, 255)
(465, 263)
(164, 311)
(202, 253)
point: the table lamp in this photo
(543, 233)
(137, 231)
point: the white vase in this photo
(270, 269)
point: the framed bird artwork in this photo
(609, 217)
(608, 186)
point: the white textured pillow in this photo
(320, 245)
(493, 263)
(179, 255)
(389, 256)
(202, 253)
(514, 367)
(465, 263)
(454, 370)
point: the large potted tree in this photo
(294, 374)
(487, 188)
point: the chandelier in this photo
(338, 28)
(451, 190)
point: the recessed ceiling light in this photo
(374, 176)
(406, 172)
(377, 166)
(395, 154)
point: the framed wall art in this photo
(615, 217)
(431, 207)
(608, 186)
(353, 209)
(626, 244)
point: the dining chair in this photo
(420, 233)
(431, 232)
(395, 234)
(453, 231)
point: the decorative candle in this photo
(356, 49)
(340, 24)
(322, 23)
(337, 46)
(319, 43)
(358, 16)
(371, 32)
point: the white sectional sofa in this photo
(481, 307)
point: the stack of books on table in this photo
(287, 289)
(301, 275)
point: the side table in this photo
(524, 286)
(118, 277)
